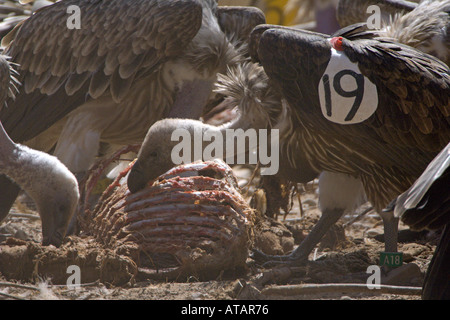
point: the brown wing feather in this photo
(5, 75)
(238, 22)
(118, 42)
(392, 147)
(414, 91)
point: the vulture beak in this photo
(51, 235)
(54, 225)
(56, 239)
(136, 178)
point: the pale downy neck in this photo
(228, 141)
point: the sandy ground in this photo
(342, 257)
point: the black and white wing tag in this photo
(346, 96)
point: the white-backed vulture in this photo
(46, 180)
(131, 63)
(258, 107)
(385, 132)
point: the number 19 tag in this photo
(346, 96)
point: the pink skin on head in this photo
(336, 42)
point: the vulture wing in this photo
(117, 43)
(427, 203)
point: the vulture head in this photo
(154, 157)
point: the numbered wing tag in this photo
(346, 96)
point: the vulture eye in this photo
(154, 154)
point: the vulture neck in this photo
(245, 127)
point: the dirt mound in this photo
(31, 262)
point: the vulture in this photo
(340, 193)
(46, 180)
(244, 86)
(426, 205)
(367, 107)
(107, 79)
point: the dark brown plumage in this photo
(389, 149)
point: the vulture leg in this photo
(79, 155)
(338, 193)
(300, 255)
(390, 224)
(327, 220)
(437, 284)
(191, 99)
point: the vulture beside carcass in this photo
(260, 106)
(97, 72)
(46, 180)
(373, 109)
(244, 86)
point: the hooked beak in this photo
(51, 235)
(56, 239)
(136, 178)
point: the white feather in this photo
(340, 191)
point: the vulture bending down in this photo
(129, 64)
(47, 181)
(426, 205)
(371, 108)
(260, 106)
(245, 86)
